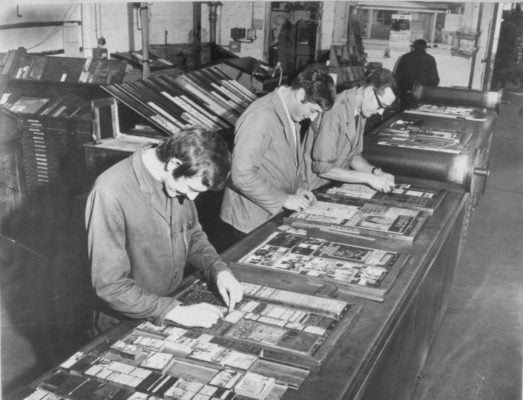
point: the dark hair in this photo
(419, 44)
(380, 78)
(201, 153)
(318, 85)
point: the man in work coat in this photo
(267, 171)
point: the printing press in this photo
(445, 137)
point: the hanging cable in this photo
(49, 36)
(55, 30)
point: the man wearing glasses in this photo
(337, 141)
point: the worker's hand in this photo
(202, 315)
(229, 288)
(308, 195)
(382, 181)
(299, 201)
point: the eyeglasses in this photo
(380, 104)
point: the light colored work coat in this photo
(336, 137)
(140, 241)
(266, 165)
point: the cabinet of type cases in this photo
(149, 110)
(46, 119)
(10, 175)
(49, 98)
(46, 102)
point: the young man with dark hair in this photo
(336, 138)
(143, 229)
(267, 172)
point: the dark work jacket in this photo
(416, 67)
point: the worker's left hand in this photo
(230, 289)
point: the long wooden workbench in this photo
(384, 349)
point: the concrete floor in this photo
(477, 353)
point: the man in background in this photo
(336, 138)
(415, 68)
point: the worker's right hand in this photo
(202, 315)
(299, 201)
(383, 182)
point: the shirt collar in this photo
(145, 178)
(360, 91)
(287, 112)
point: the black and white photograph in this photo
(265, 200)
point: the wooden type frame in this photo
(428, 200)
(368, 292)
(277, 354)
(404, 227)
